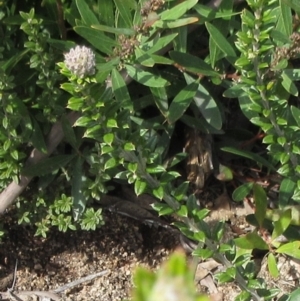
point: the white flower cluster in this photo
(80, 61)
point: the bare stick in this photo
(15, 275)
(53, 294)
(79, 281)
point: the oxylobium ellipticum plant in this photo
(93, 93)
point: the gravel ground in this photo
(118, 247)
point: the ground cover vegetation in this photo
(98, 94)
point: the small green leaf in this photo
(68, 87)
(177, 11)
(269, 139)
(161, 99)
(179, 157)
(282, 224)
(146, 78)
(247, 109)
(251, 241)
(158, 59)
(262, 122)
(242, 191)
(110, 163)
(214, 52)
(139, 187)
(112, 123)
(125, 8)
(109, 138)
(203, 253)
(183, 212)
(275, 214)
(248, 18)
(84, 121)
(225, 173)
(206, 105)
(192, 63)
(158, 192)
(296, 195)
(227, 276)
(180, 42)
(155, 169)
(272, 266)
(290, 249)
(285, 170)
(221, 42)
(161, 43)
(201, 214)
(218, 231)
(181, 191)
(105, 149)
(285, 19)
(74, 103)
(286, 191)
(120, 88)
(128, 146)
(118, 31)
(144, 58)
(181, 102)
(281, 121)
(176, 23)
(243, 296)
(14, 154)
(162, 209)
(87, 15)
(296, 114)
(6, 145)
(295, 295)
(98, 39)
(93, 131)
(123, 175)
(106, 12)
(249, 155)
(132, 167)
(288, 84)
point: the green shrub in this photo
(93, 93)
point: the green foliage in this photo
(174, 281)
(266, 43)
(132, 73)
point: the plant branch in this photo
(13, 190)
(261, 83)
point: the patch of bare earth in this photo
(118, 248)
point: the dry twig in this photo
(53, 295)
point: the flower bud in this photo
(80, 61)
